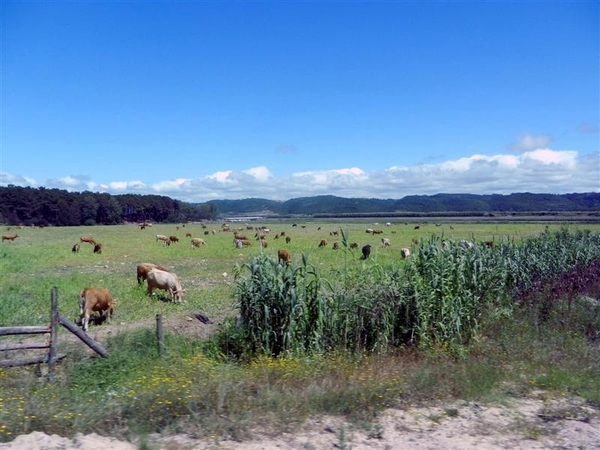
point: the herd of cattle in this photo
(100, 301)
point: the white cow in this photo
(166, 281)
(404, 252)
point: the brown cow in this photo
(75, 248)
(323, 243)
(336, 245)
(283, 256)
(98, 248)
(197, 242)
(354, 245)
(263, 243)
(288, 239)
(188, 235)
(9, 237)
(173, 238)
(243, 243)
(93, 300)
(144, 268)
(88, 240)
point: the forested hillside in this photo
(31, 206)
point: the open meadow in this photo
(198, 390)
(41, 258)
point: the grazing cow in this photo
(404, 252)
(333, 233)
(488, 244)
(144, 268)
(288, 239)
(283, 256)
(385, 242)
(354, 245)
(88, 240)
(466, 245)
(369, 230)
(95, 300)
(336, 245)
(166, 281)
(98, 248)
(9, 237)
(377, 231)
(366, 251)
(415, 241)
(238, 243)
(417, 227)
(323, 243)
(263, 243)
(197, 242)
(245, 242)
(173, 238)
(164, 239)
(188, 235)
(75, 248)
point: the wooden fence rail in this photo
(51, 357)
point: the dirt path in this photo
(532, 423)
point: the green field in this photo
(548, 343)
(41, 258)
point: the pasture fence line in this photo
(51, 356)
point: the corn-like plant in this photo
(281, 308)
(437, 297)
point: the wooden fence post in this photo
(160, 337)
(53, 332)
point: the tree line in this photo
(56, 207)
(42, 207)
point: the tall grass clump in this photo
(281, 308)
(439, 297)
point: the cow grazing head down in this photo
(75, 248)
(404, 252)
(165, 281)
(98, 248)
(283, 256)
(144, 268)
(95, 300)
(9, 237)
(366, 251)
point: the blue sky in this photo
(227, 100)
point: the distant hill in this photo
(441, 203)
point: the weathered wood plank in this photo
(30, 346)
(6, 331)
(29, 361)
(97, 347)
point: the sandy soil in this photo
(532, 423)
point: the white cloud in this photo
(546, 156)
(260, 173)
(540, 170)
(526, 142)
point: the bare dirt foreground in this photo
(537, 422)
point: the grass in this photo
(194, 388)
